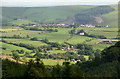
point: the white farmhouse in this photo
(82, 33)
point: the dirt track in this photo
(8, 57)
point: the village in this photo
(70, 25)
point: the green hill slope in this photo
(111, 18)
(57, 14)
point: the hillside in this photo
(111, 18)
(106, 65)
(61, 14)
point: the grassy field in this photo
(10, 47)
(77, 39)
(26, 41)
(110, 33)
(52, 62)
(56, 51)
(23, 33)
(20, 22)
(59, 36)
(100, 46)
(62, 35)
(10, 29)
(107, 32)
(111, 18)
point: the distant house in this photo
(107, 26)
(82, 33)
(66, 48)
(20, 19)
(72, 60)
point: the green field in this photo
(110, 33)
(52, 62)
(111, 18)
(56, 51)
(10, 47)
(26, 41)
(100, 46)
(77, 39)
(20, 22)
(60, 36)
(23, 33)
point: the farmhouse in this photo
(107, 41)
(67, 49)
(82, 33)
(20, 19)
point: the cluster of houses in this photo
(65, 25)
(67, 48)
(107, 41)
(73, 60)
(20, 19)
(32, 26)
(89, 25)
(86, 25)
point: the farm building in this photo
(107, 41)
(82, 33)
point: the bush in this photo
(34, 39)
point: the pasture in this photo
(77, 39)
(60, 36)
(20, 22)
(26, 41)
(56, 51)
(10, 48)
(110, 33)
(23, 33)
